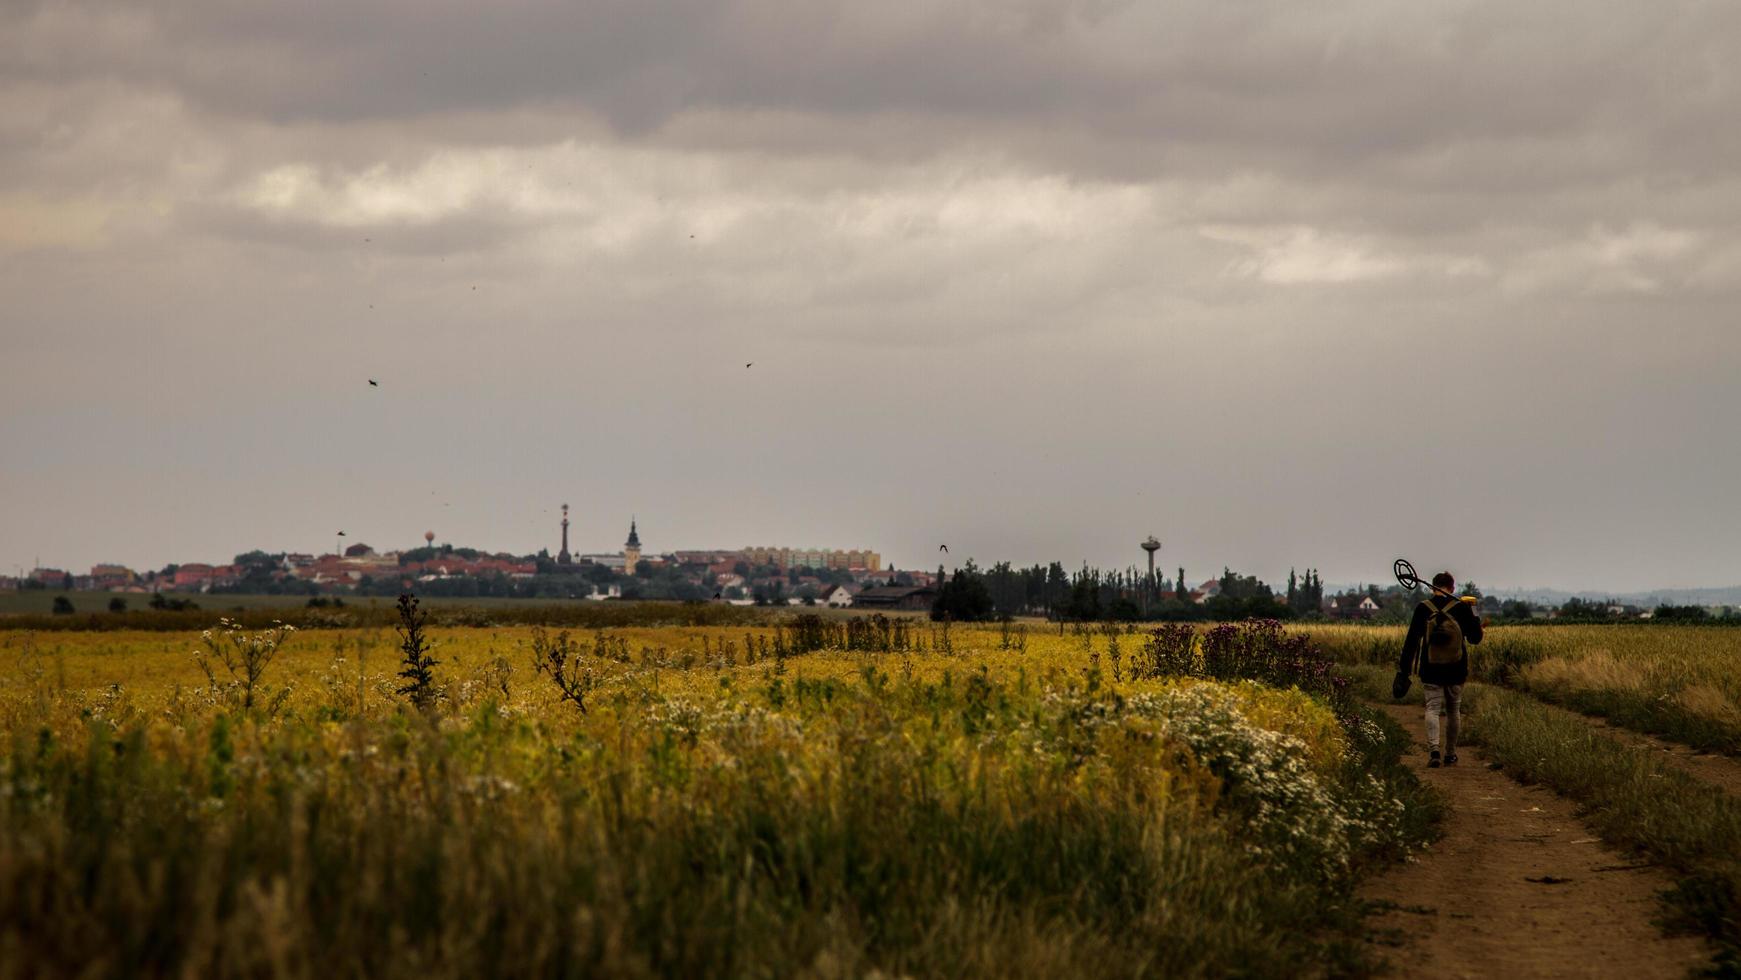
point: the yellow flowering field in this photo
(784, 799)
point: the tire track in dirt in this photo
(1518, 887)
(1719, 770)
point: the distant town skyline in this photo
(949, 561)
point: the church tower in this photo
(563, 557)
(631, 549)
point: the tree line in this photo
(1129, 594)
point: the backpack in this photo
(1443, 643)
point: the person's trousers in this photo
(1446, 699)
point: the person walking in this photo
(1438, 644)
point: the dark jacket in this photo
(1413, 656)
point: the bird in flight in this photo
(373, 383)
(943, 548)
(747, 365)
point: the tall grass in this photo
(1501, 656)
(1682, 684)
(1257, 650)
(985, 813)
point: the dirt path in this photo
(1467, 906)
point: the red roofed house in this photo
(54, 578)
(192, 575)
(111, 577)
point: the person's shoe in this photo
(1433, 760)
(1450, 758)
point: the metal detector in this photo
(1406, 577)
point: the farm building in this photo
(896, 597)
(1352, 607)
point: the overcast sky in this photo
(1283, 284)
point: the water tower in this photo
(429, 538)
(1151, 546)
(563, 557)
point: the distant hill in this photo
(1723, 596)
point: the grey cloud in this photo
(1286, 83)
(453, 235)
(1510, 125)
